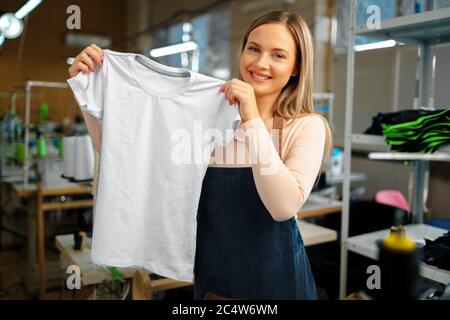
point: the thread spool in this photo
(399, 262)
(69, 156)
(84, 158)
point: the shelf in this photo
(369, 143)
(354, 177)
(403, 156)
(430, 27)
(365, 143)
(376, 145)
(366, 245)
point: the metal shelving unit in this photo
(407, 156)
(425, 30)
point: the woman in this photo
(249, 245)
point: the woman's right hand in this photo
(84, 62)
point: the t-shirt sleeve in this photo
(88, 89)
(226, 122)
(222, 119)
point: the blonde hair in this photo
(296, 98)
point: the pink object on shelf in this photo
(393, 198)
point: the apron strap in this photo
(278, 123)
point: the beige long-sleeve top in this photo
(282, 184)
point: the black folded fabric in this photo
(437, 252)
(394, 118)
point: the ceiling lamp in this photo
(27, 8)
(10, 26)
(173, 49)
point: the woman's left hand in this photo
(238, 91)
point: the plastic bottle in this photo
(399, 262)
(418, 6)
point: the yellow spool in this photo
(398, 241)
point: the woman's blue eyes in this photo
(253, 49)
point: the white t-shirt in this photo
(160, 125)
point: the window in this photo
(210, 31)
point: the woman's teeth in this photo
(258, 77)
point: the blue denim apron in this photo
(241, 252)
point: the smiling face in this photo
(269, 59)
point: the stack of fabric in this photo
(425, 134)
(394, 118)
(437, 252)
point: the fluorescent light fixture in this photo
(376, 45)
(10, 26)
(27, 8)
(81, 40)
(173, 49)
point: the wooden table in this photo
(63, 189)
(317, 205)
(143, 286)
(43, 207)
(313, 234)
(35, 194)
(91, 273)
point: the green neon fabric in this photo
(425, 134)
